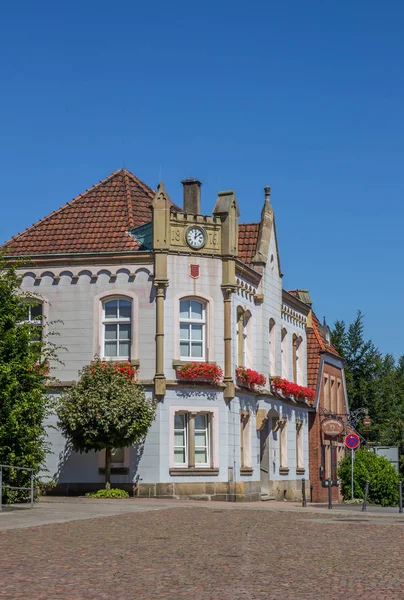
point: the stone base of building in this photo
(238, 491)
(288, 490)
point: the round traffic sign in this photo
(352, 441)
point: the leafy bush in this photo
(368, 466)
(105, 409)
(112, 493)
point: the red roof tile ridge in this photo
(61, 209)
(250, 223)
(140, 183)
(131, 219)
(322, 343)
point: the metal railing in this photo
(14, 487)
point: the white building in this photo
(123, 273)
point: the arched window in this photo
(117, 328)
(34, 316)
(192, 329)
(284, 351)
(297, 367)
(244, 338)
(272, 347)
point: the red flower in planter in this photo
(251, 378)
(126, 368)
(200, 371)
(289, 388)
(41, 368)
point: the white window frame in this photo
(185, 430)
(190, 321)
(212, 437)
(116, 321)
(33, 321)
(208, 440)
(115, 463)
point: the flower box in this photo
(125, 367)
(201, 372)
(288, 388)
(250, 378)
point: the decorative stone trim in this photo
(283, 470)
(300, 471)
(193, 471)
(246, 470)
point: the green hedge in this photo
(113, 493)
(368, 466)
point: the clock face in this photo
(195, 237)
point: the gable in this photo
(99, 220)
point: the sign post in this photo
(352, 463)
(352, 442)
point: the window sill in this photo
(115, 471)
(283, 470)
(300, 471)
(246, 470)
(193, 471)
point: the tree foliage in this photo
(105, 409)
(375, 382)
(368, 466)
(25, 353)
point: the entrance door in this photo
(264, 457)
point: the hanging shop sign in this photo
(332, 427)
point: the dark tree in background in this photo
(375, 382)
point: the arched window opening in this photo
(272, 347)
(284, 351)
(117, 329)
(192, 329)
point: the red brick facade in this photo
(325, 451)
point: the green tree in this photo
(24, 403)
(105, 409)
(363, 364)
(368, 466)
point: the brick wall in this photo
(317, 439)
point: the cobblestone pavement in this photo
(197, 553)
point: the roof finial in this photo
(267, 191)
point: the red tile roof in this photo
(247, 241)
(315, 345)
(96, 221)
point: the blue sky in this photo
(305, 97)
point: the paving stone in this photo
(198, 553)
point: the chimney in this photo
(192, 196)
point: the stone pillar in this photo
(160, 206)
(228, 375)
(226, 207)
(159, 378)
